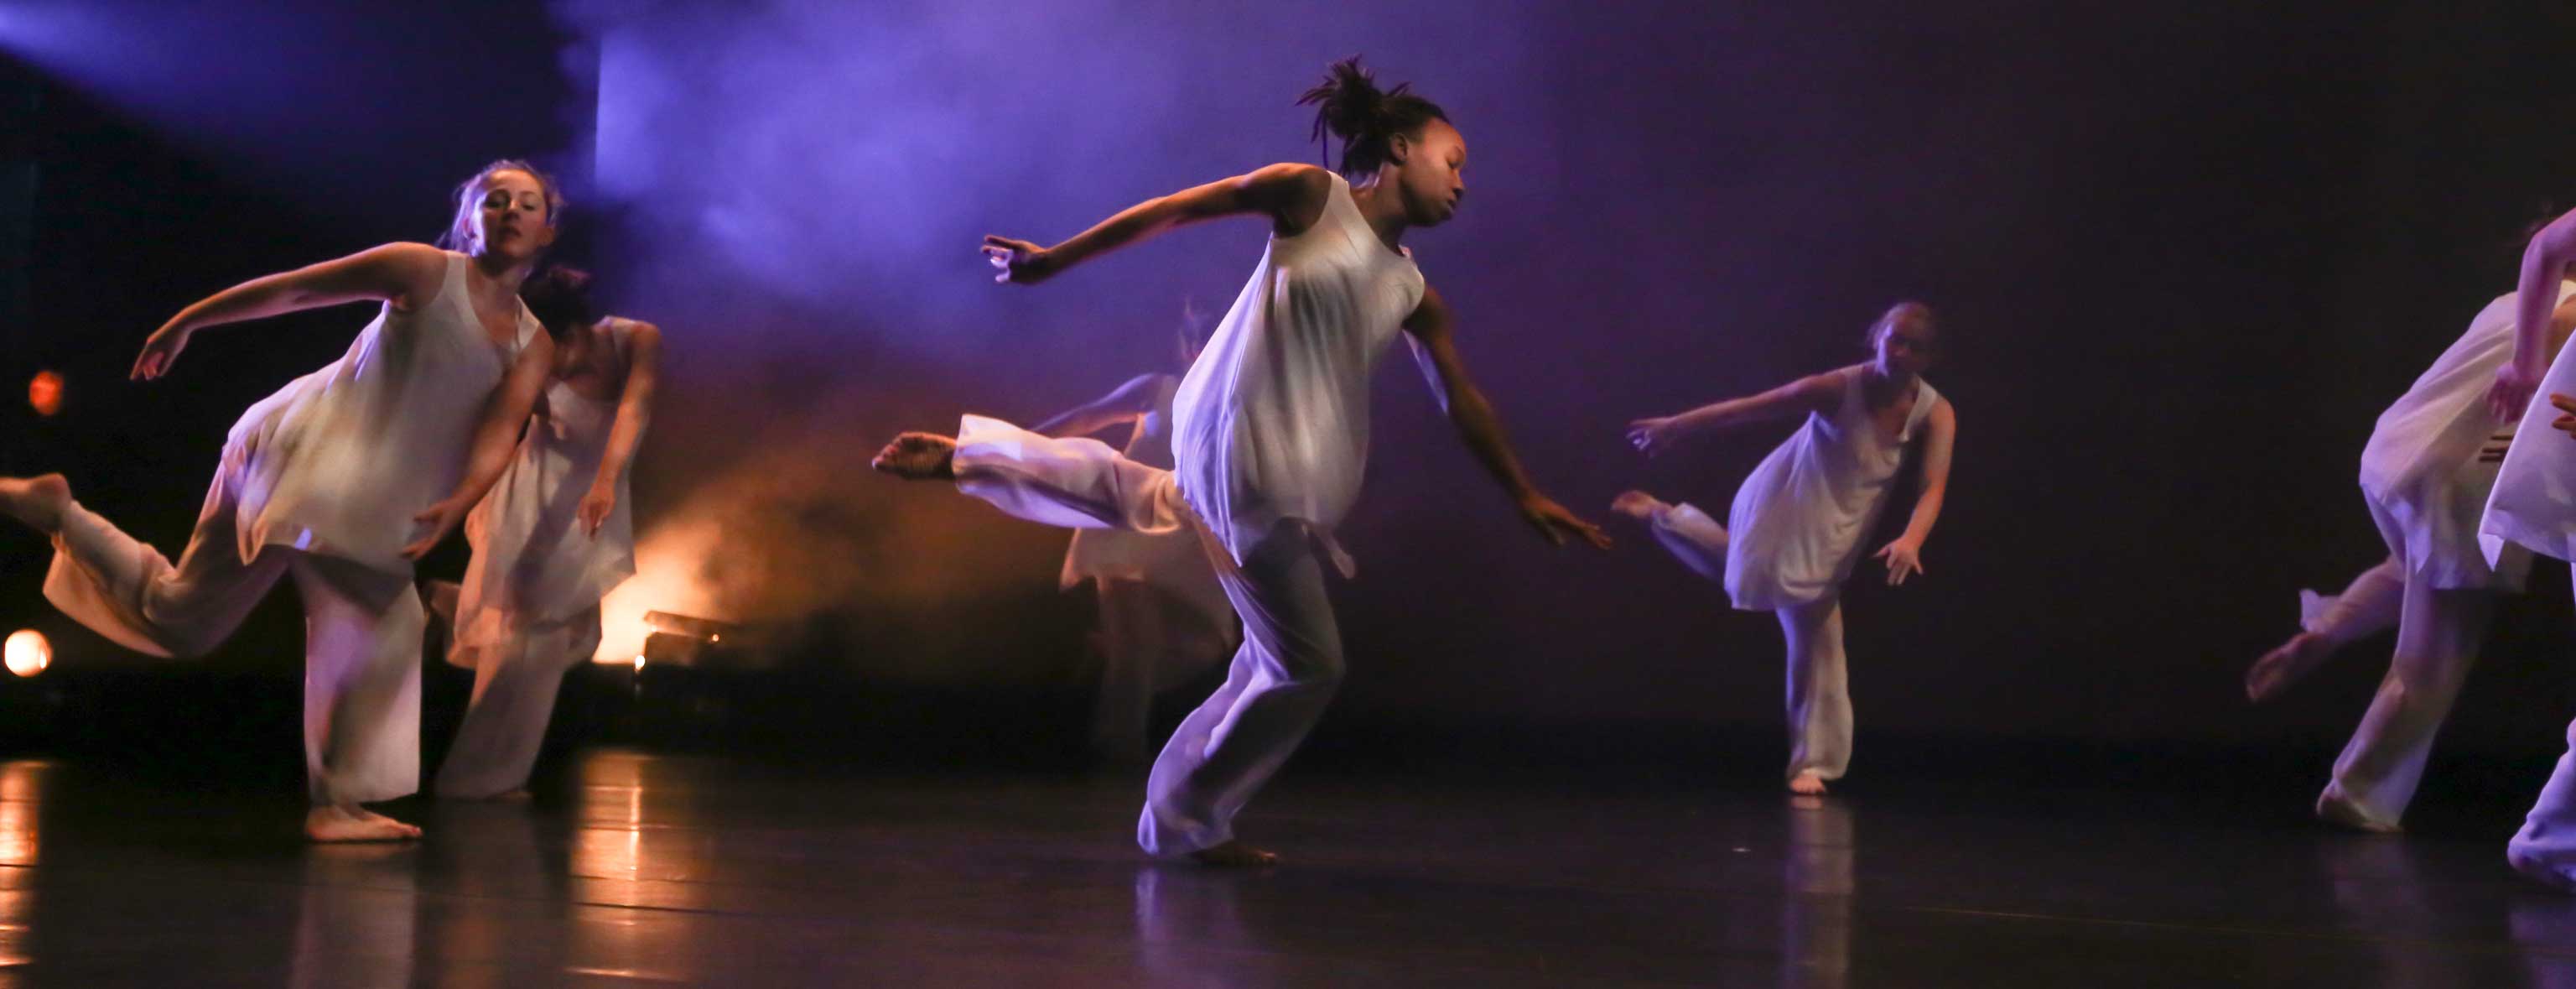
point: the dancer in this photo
(552, 538)
(341, 479)
(2426, 472)
(1795, 532)
(2371, 603)
(2531, 508)
(1163, 616)
(1270, 431)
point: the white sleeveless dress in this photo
(1796, 527)
(1272, 422)
(529, 608)
(330, 470)
(2426, 487)
(1270, 438)
(337, 462)
(2532, 504)
(534, 572)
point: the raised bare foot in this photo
(918, 457)
(1234, 855)
(1636, 505)
(2286, 664)
(1807, 784)
(351, 823)
(2336, 809)
(38, 501)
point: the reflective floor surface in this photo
(639, 869)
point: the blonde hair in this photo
(469, 198)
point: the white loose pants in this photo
(1282, 676)
(362, 633)
(1819, 694)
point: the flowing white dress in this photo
(1271, 436)
(2533, 507)
(1792, 538)
(1799, 518)
(2427, 485)
(528, 611)
(321, 481)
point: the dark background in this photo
(2183, 255)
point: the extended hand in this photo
(1557, 524)
(159, 352)
(1656, 436)
(1904, 558)
(441, 519)
(1018, 261)
(594, 510)
(2512, 391)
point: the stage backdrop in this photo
(2182, 255)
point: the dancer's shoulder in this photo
(1295, 194)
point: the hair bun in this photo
(1348, 105)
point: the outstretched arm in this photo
(396, 273)
(494, 439)
(1904, 556)
(1433, 329)
(1124, 404)
(2544, 264)
(1659, 435)
(634, 410)
(1291, 195)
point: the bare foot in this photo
(38, 501)
(2336, 809)
(352, 823)
(1636, 505)
(918, 457)
(1234, 855)
(2285, 665)
(1807, 784)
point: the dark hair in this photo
(560, 299)
(469, 196)
(1349, 105)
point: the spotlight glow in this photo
(28, 653)
(45, 393)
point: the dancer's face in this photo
(1432, 177)
(511, 219)
(1904, 347)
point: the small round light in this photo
(45, 393)
(639, 662)
(28, 653)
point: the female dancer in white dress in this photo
(2426, 472)
(2534, 507)
(1270, 432)
(341, 479)
(551, 540)
(1163, 616)
(1795, 532)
